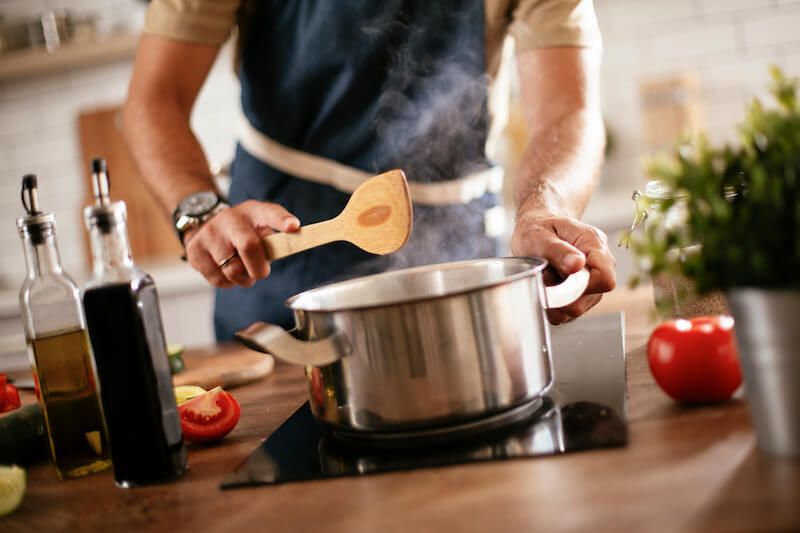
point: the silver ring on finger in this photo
(227, 260)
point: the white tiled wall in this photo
(38, 129)
(727, 43)
(111, 15)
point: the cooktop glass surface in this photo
(585, 408)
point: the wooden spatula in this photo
(377, 218)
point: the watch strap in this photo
(184, 222)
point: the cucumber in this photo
(12, 488)
(174, 350)
(23, 437)
(187, 392)
(176, 364)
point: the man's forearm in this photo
(560, 165)
(166, 152)
(166, 79)
(561, 102)
(559, 168)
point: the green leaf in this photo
(740, 203)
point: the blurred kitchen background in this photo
(669, 65)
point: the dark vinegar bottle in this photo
(127, 337)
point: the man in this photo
(334, 92)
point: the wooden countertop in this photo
(684, 469)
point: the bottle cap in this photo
(104, 214)
(99, 165)
(100, 182)
(30, 194)
(36, 224)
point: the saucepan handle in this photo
(567, 291)
(272, 339)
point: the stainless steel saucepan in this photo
(422, 347)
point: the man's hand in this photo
(237, 231)
(166, 79)
(568, 245)
(558, 171)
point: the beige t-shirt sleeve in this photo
(194, 21)
(552, 23)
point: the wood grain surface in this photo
(685, 469)
(226, 366)
(150, 230)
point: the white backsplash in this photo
(38, 129)
(728, 43)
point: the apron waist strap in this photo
(346, 179)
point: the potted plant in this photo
(731, 222)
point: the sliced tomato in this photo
(9, 396)
(210, 416)
(36, 386)
(12, 398)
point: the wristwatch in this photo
(195, 209)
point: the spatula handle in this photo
(280, 245)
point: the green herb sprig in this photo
(732, 218)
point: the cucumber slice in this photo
(12, 488)
(186, 392)
(174, 350)
(176, 364)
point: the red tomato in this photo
(695, 360)
(210, 416)
(11, 395)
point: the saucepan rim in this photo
(537, 265)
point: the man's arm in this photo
(560, 166)
(166, 79)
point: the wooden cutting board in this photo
(227, 366)
(150, 230)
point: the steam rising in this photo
(431, 120)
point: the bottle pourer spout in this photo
(30, 194)
(100, 185)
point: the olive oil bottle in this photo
(127, 338)
(58, 347)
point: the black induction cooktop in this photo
(585, 408)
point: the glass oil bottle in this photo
(58, 347)
(127, 338)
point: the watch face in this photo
(198, 203)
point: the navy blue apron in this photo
(376, 86)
